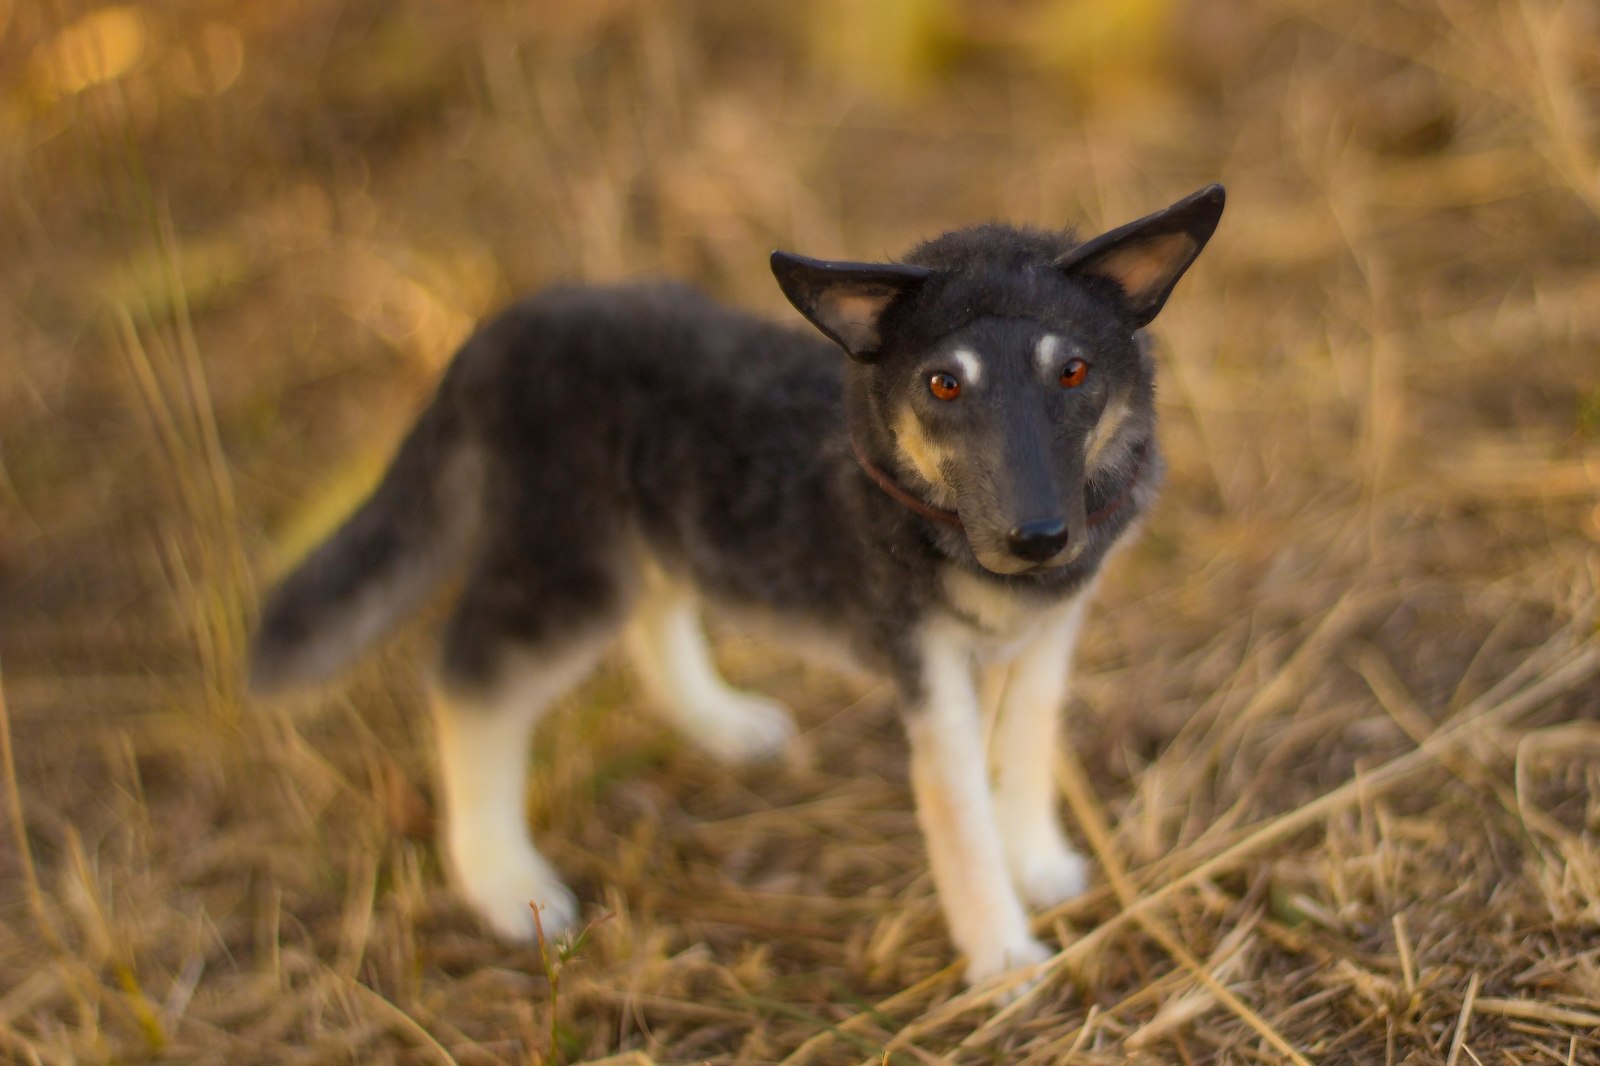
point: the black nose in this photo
(1038, 541)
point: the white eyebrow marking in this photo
(971, 365)
(1044, 354)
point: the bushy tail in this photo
(399, 545)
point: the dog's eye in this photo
(1073, 373)
(944, 386)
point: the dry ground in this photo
(1334, 747)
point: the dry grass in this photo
(1335, 741)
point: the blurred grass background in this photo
(1334, 743)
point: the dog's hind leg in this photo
(521, 637)
(483, 740)
(668, 645)
(1024, 744)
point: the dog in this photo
(937, 502)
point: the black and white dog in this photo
(601, 461)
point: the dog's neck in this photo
(901, 495)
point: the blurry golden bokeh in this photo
(97, 48)
(212, 63)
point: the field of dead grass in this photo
(1334, 748)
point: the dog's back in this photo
(576, 430)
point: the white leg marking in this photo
(670, 651)
(992, 681)
(1043, 865)
(950, 779)
(483, 750)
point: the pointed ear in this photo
(1147, 257)
(846, 300)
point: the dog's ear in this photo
(1147, 257)
(846, 300)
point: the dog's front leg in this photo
(950, 780)
(1043, 864)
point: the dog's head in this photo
(1000, 370)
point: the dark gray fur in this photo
(584, 424)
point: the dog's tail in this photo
(410, 534)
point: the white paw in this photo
(505, 889)
(1009, 964)
(1049, 875)
(741, 726)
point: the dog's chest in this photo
(997, 619)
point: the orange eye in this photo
(944, 386)
(1073, 373)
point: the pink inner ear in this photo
(852, 314)
(1147, 266)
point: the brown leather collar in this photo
(898, 494)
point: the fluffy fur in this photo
(598, 462)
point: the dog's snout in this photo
(1039, 540)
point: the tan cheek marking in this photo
(924, 456)
(1105, 431)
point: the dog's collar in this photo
(898, 494)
